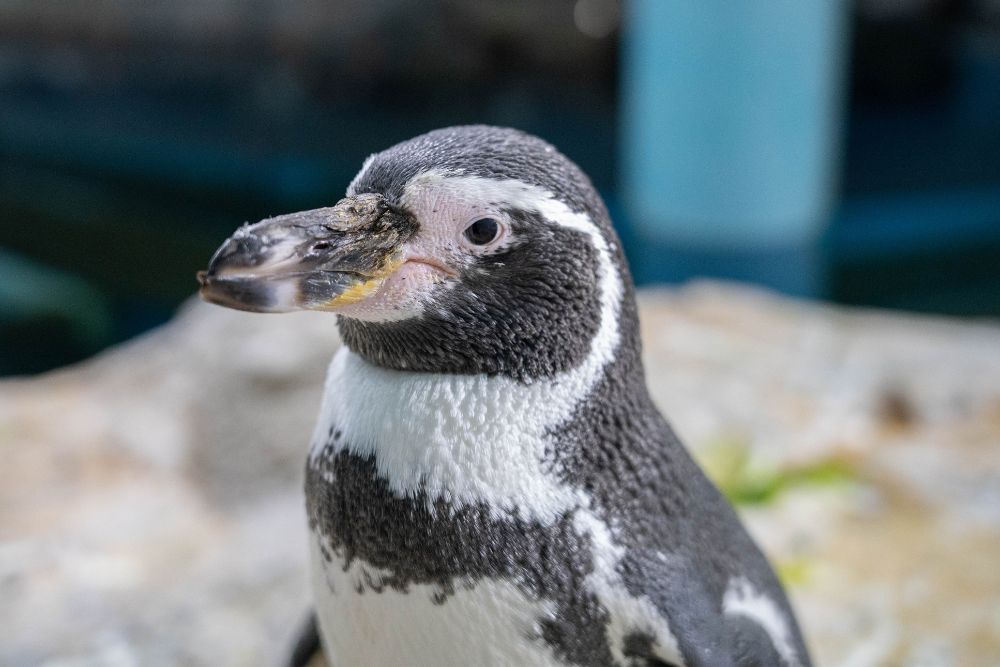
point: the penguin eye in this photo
(482, 231)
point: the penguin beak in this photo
(313, 260)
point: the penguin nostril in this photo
(247, 245)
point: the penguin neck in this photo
(444, 346)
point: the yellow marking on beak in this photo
(354, 293)
(362, 290)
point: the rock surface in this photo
(151, 513)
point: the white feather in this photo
(628, 613)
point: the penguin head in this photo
(464, 250)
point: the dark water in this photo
(126, 157)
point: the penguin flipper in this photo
(307, 646)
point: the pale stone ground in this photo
(150, 511)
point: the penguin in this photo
(489, 482)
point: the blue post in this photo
(731, 110)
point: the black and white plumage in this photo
(489, 481)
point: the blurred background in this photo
(831, 166)
(848, 151)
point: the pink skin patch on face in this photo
(400, 296)
(433, 259)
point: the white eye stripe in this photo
(742, 599)
(352, 187)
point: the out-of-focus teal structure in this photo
(845, 150)
(730, 115)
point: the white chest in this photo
(467, 439)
